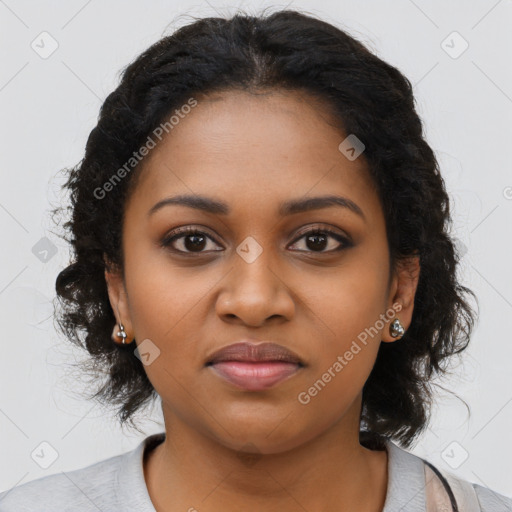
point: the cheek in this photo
(161, 312)
(342, 360)
(348, 331)
(348, 302)
(160, 292)
(160, 298)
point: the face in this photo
(255, 272)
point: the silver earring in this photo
(396, 329)
(120, 334)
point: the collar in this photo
(406, 481)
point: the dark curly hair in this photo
(293, 51)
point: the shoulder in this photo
(472, 496)
(88, 488)
(491, 501)
(422, 486)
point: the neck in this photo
(330, 471)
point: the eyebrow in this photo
(290, 207)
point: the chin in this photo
(261, 438)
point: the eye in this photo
(193, 240)
(317, 240)
(189, 237)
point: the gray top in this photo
(117, 484)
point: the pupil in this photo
(315, 238)
(196, 244)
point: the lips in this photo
(249, 352)
(254, 367)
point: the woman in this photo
(260, 237)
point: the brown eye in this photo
(317, 240)
(191, 240)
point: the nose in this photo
(254, 292)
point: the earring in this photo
(396, 329)
(119, 334)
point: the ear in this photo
(402, 292)
(118, 297)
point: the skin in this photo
(254, 152)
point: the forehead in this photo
(244, 146)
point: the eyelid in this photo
(180, 231)
(343, 240)
(325, 228)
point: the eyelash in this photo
(188, 230)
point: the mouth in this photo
(255, 376)
(255, 367)
(250, 352)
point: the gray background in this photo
(50, 104)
